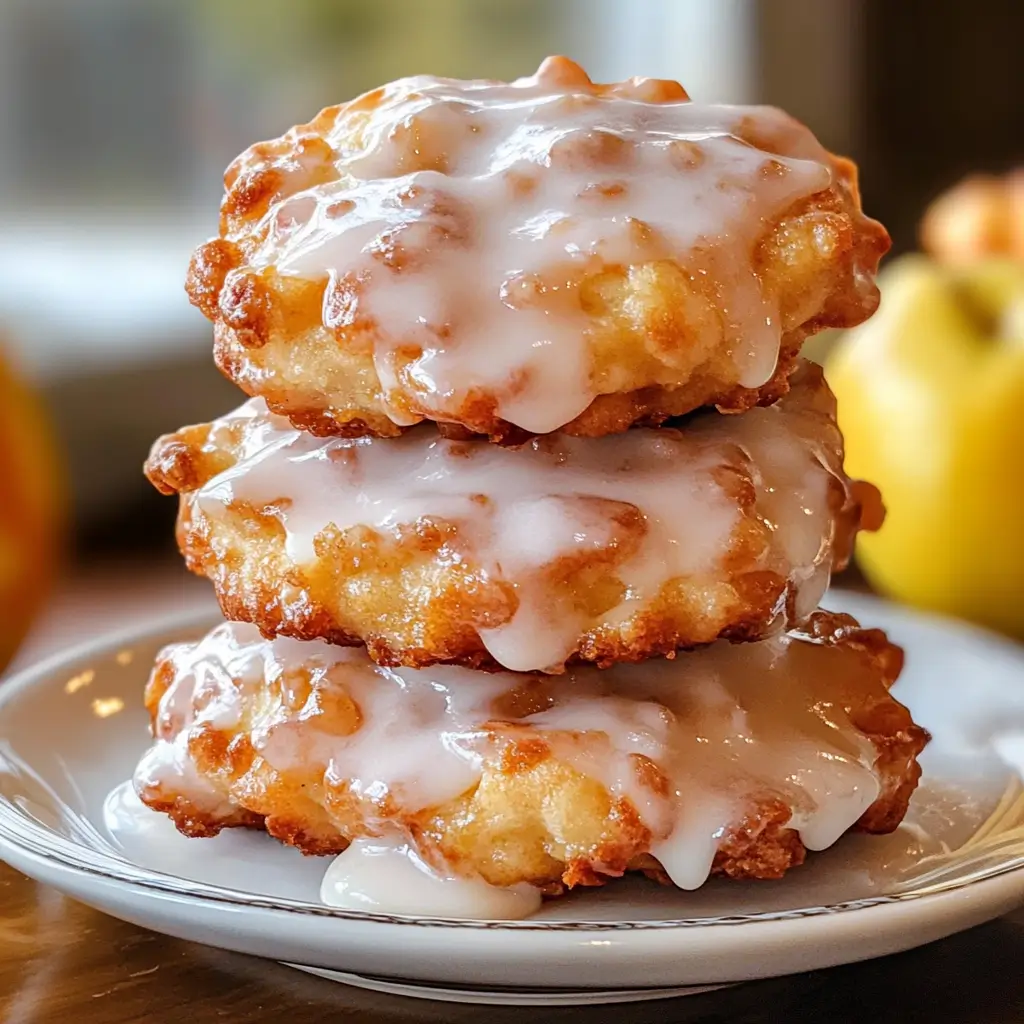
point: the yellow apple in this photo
(30, 511)
(931, 402)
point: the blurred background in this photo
(117, 118)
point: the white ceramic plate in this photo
(72, 728)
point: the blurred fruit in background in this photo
(931, 401)
(980, 217)
(30, 510)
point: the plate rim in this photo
(17, 828)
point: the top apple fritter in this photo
(514, 259)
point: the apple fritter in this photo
(428, 550)
(733, 760)
(513, 259)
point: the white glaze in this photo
(726, 727)
(211, 693)
(385, 756)
(388, 876)
(650, 502)
(462, 217)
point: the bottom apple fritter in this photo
(731, 760)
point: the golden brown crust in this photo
(417, 595)
(532, 817)
(307, 348)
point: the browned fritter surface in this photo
(259, 733)
(425, 589)
(655, 330)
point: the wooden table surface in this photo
(62, 961)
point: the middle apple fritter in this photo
(430, 550)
